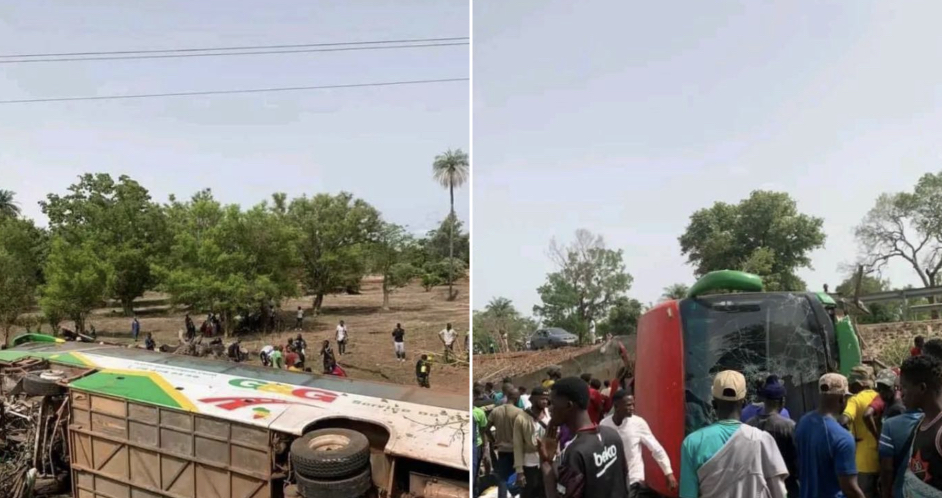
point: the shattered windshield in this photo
(758, 335)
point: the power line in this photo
(248, 47)
(231, 92)
(224, 54)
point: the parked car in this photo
(551, 338)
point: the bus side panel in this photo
(659, 386)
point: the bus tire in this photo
(350, 487)
(34, 385)
(330, 453)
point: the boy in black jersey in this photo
(593, 464)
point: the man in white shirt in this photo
(265, 355)
(341, 338)
(634, 431)
(448, 336)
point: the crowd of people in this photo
(874, 434)
(292, 356)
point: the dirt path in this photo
(369, 352)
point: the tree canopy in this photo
(335, 236)
(763, 234)
(120, 222)
(224, 259)
(20, 269)
(588, 281)
(906, 226)
(500, 325)
(675, 291)
(8, 207)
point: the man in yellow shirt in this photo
(868, 459)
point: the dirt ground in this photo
(369, 349)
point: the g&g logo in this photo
(285, 389)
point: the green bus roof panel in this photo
(728, 280)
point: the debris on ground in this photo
(493, 367)
(33, 450)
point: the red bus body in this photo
(659, 386)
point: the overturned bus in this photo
(141, 424)
(683, 343)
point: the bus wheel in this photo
(351, 487)
(330, 454)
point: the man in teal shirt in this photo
(729, 394)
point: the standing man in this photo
(782, 429)
(341, 338)
(921, 383)
(753, 409)
(529, 428)
(448, 335)
(299, 321)
(327, 355)
(596, 403)
(826, 454)
(887, 404)
(868, 459)
(422, 371)
(918, 343)
(501, 419)
(135, 328)
(593, 464)
(634, 432)
(728, 459)
(398, 342)
(190, 327)
(292, 358)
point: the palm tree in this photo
(8, 208)
(675, 291)
(502, 311)
(451, 170)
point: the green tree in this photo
(501, 325)
(764, 234)
(589, 279)
(906, 226)
(77, 280)
(225, 260)
(8, 207)
(675, 291)
(126, 228)
(438, 245)
(336, 235)
(390, 259)
(622, 317)
(20, 266)
(451, 170)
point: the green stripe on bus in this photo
(128, 386)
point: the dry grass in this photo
(370, 351)
(493, 367)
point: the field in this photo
(369, 350)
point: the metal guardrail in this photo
(896, 295)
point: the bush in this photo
(430, 280)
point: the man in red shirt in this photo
(596, 406)
(917, 349)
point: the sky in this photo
(626, 117)
(378, 143)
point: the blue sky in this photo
(626, 117)
(378, 143)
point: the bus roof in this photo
(423, 424)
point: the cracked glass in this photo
(755, 334)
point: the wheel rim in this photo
(329, 442)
